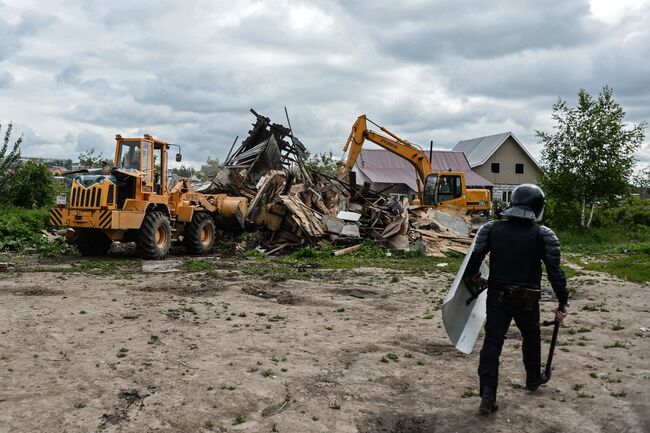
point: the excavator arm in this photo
(393, 143)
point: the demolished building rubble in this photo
(297, 207)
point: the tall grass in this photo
(606, 240)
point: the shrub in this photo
(631, 213)
(21, 228)
(29, 187)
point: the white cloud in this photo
(80, 72)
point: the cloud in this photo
(12, 36)
(189, 71)
(6, 79)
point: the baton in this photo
(549, 360)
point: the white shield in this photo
(463, 321)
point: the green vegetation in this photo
(30, 186)
(588, 158)
(606, 240)
(620, 251)
(199, 265)
(370, 255)
(104, 266)
(21, 229)
(635, 267)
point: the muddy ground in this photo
(115, 349)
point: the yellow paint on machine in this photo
(99, 219)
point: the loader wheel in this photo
(155, 236)
(92, 242)
(199, 235)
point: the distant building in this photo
(503, 160)
(392, 175)
(56, 170)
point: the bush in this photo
(561, 215)
(30, 186)
(21, 229)
(632, 213)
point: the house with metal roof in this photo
(503, 160)
(392, 175)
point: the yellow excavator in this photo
(130, 201)
(435, 188)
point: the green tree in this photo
(209, 169)
(183, 171)
(641, 179)
(9, 156)
(30, 186)
(89, 159)
(321, 162)
(590, 155)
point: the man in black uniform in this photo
(517, 247)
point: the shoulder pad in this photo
(483, 235)
(548, 234)
(488, 226)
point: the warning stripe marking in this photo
(56, 217)
(105, 219)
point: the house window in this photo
(496, 167)
(519, 168)
(506, 196)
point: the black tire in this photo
(200, 234)
(93, 242)
(155, 236)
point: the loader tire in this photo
(200, 234)
(155, 236)
(92, 242)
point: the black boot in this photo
(488, 400)
(534, 381)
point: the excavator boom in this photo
(440, 188)
(394, 144)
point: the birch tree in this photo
(590, 155)
(9, 155)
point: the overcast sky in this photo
(75, 73)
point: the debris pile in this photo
(296, 207)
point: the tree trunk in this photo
(582, 213)
(591, 213)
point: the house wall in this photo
(508, 154)
(397, 188)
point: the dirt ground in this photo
(360, 350)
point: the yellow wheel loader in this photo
(130, 201)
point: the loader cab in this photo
(444, 187)
(140, 168)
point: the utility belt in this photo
(520, 296)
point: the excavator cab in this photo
(443, 188)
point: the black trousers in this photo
(500, 312)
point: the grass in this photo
(570, 272)
(469, 392)
(621, 251)
(632, 267)
(20, 229)
(98, 266)
(617, 344)
(605, 240)
(199, 265)
(370, 255)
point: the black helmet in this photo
(527, 202)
